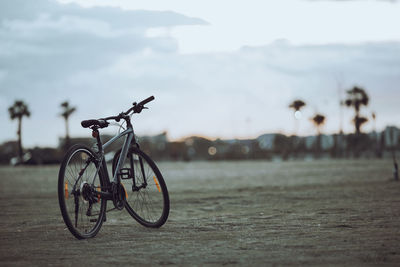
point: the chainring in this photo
(118, 195)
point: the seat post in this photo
(96, 134)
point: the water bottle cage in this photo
(126, 173)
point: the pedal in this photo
(125, 173)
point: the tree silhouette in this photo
(297, 105)
(356, 98)
(318, 121)
(17, 111)
(373, 115)
(67, 111)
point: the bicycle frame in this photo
(129, 138)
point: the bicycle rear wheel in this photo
(147, 199)
(78, 180)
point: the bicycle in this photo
(84, 185)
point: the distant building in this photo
(272, 146)
(310, 141)
(75, 140)
(327, 142)
(266, 141)
(159, 141)
(8, 150)
(391, 135)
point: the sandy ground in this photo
(222, 213)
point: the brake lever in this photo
(138, 108)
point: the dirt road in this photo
(222, 213)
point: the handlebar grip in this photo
(147, 100)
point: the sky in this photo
(220, 69)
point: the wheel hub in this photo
(87, 193)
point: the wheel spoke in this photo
(149, 204)
(79, 209)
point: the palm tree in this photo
(67, 111)
(318, 121)
(357, 97)
(297, 105)
(18, 111)
(373, 115)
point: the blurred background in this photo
(275, 80)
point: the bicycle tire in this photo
(150, 205)
(75, 193)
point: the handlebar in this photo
(147, 100)
(102, 123)
(138, 107)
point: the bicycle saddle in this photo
(99, 123)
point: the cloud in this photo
(247, 92)
(46, 46)
(114, 16)
(45, 40)
(102, 59)
(392, 1)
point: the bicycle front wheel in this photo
(147, 199)
(82, 209)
